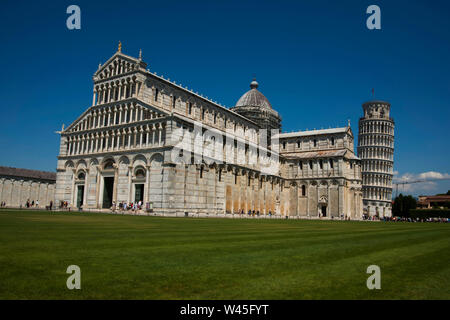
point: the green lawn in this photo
(136, 257)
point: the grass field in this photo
(136, 257)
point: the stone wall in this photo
(15, 191)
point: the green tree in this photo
(402, 205)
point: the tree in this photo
(402, 205)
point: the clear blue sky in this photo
(314, 60)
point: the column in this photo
(116, 177)
(118, 140)
(130, 173)
(92, 138)
(86, 188)
(96, 141)
(69, 141)
(147, 184)
(78, 145)
(101, 142)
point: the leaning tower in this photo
(376, 150)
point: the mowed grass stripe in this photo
(132, 257)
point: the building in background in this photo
(17, 186)
(376, 151)
(428, 202)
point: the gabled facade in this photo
(126, 148)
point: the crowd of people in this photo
(124, 206)
(32, 203)
(405, 219)
(63, 204)
(252, 213)
(136, 206)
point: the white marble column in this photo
(147, 132)
(119, 135)
(120, 92)
(101, 142)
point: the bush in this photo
(429, 213)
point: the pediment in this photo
(84, 116)
(110, 68)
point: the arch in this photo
(139, 161)
(69, 164)
(124, 160)
(140, 172)
(139, 158)
(156, 160)
(81, 164)
(108, 163)
(81, 175)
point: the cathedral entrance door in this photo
(324, 211)
(108, 187)
(80, 196)
(139, 192)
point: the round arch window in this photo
(81, 176)
(140, 173)
(109, 165)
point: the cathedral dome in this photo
(254, 106)
(253, 98)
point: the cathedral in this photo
(147, 139)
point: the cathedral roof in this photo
(254, 98)
(321, 154)
(313, 132)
